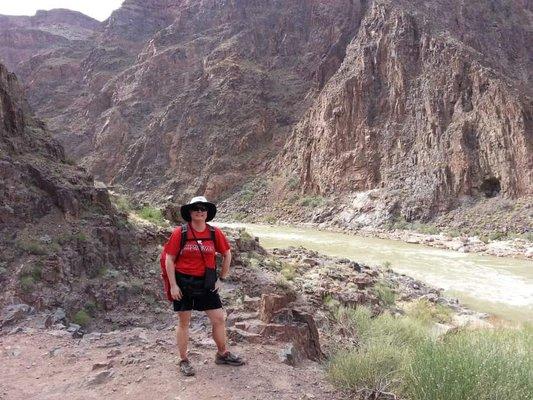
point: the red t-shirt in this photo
(190, 261)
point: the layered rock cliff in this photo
(431, 104)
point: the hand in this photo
(175, 292)
(218, 285)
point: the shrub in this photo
(373, 368)
(470, 365)
(428, 229)
(82, 318)
(288, 271)
(293, 183)
(311, 201)
(238, 216)
(32, 247)
(122, 203)
(423, 310)
(385, 294)
(27, 283)
(152, 214)
(399, 354)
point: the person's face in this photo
(199, 212)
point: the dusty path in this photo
(141, 364)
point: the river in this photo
(499, 286)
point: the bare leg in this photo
(182, 332)
(218, 323)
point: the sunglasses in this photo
(198, 208)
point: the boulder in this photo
(272, 303)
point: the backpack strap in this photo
(184, 229)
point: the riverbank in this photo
(516, 248)
(493, 226)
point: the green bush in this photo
(152, 214)
(238, 216)
(427, 229)
(423, 310)
(311, 201)
(122, 203)
(373, 368)
(288, 271)
(27, 283)
(385, 294)
(293, 183)
(82, 318)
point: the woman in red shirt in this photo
(186, 270)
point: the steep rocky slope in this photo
(62, 243)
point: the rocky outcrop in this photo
(422, 111)
(58, 232)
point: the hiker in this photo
(191, 268)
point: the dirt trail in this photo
(142, 364)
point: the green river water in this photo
(499, 286)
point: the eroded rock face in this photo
(423, 108)
(58, 232)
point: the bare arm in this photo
(226, 260)
(171, 273)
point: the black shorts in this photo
(208, 301)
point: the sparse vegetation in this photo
(399, 355)
(293, 183)
(82, 318)
(32, 247)
(312, 201)
(238, 216)
(423, 310)
(288, 271)
(385, 294)
(29, 276)
(122, 203)
(27, 283)
(152, 214)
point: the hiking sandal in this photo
(186, 368)
(229, 359)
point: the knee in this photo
(218, 320)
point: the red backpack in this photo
(162, 258)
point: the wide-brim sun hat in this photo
(185, 209)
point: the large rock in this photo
(297, 328)
(271, 303)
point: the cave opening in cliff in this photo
(490, 187)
